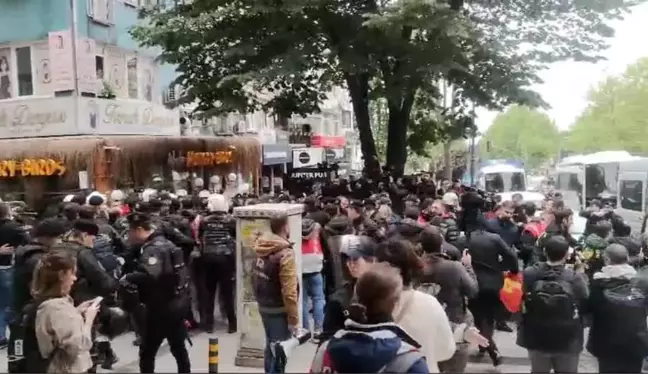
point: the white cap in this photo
(203, 194)
(117, 195)
(217, 203)
(181, 192)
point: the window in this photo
(24, 68)
(99, 67)
(101, 11)
(631, 195)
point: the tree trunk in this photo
(447, 171)
(399, 114)
(358, 86)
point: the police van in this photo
(631, 193)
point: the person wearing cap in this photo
(163, 283)
(92, 278)
(357, 254)
(217, 249)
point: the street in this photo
(515, 358)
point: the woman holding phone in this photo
(63, 331)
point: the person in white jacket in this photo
(421, 314)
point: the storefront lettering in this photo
(149, 118)
(310, 175)
(209, 158)
(23, 118)
(31, 167)
(118, 116)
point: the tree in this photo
(297, 50)
(522, 133)
(616, 117)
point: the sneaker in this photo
(316, 336)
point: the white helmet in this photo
(68, 198)
(95, 193)
(148, 194)
(117, 195)
(217, 203)
(181, 193)
(199, 182)
(203, 194)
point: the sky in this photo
(566, 84)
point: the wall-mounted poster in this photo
(115, 71)
(131, 66)
(148, 79)
(6, 79)
(43, 77)
(61, 61)
(86, 51)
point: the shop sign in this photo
(37, 117)
(327, 141)
(198, 159)
(126, 117)
(31, 167)
(276, 154)
(309, 174)
(306, 157)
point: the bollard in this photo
(213, 355)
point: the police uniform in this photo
(162, 280)
(217, 234)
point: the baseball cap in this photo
(356, 246)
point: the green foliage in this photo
(617, 115)
(522, 133)
(294, 51)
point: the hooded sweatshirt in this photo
(312, 253)
(275, 277)
(366, 348)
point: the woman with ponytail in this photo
(370, 342)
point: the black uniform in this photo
(217, 234)
(163, 285)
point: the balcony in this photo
(63, 116)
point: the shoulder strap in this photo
(402, 362)
(318, 360)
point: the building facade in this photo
(114, 88)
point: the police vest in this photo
(217, 239)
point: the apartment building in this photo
(70, 67)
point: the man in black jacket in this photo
(554, 298)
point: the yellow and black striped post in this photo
(213, 355)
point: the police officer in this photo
(163, 284)
(217, 233)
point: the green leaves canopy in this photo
(522, 133)
(617, 115)
(283, 56)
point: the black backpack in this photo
(27, 347)
(551, 319)
(624, 308)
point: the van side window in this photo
(631, 195)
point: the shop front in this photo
(41, 170)
(275, 159)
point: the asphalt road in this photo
(515, 358)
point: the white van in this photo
(631, 192)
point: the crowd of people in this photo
(395, 277)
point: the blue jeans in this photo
(6, 283)
(313, 288)
(276, 330)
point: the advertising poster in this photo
(86, 52)
(43, 77)
(6, 79)
(61, 61)
(251, 229)
(115, 70)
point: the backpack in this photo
(551, 319)
(400, 364)
(26, 347)
(624, 308)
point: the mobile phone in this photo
(96, 301)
